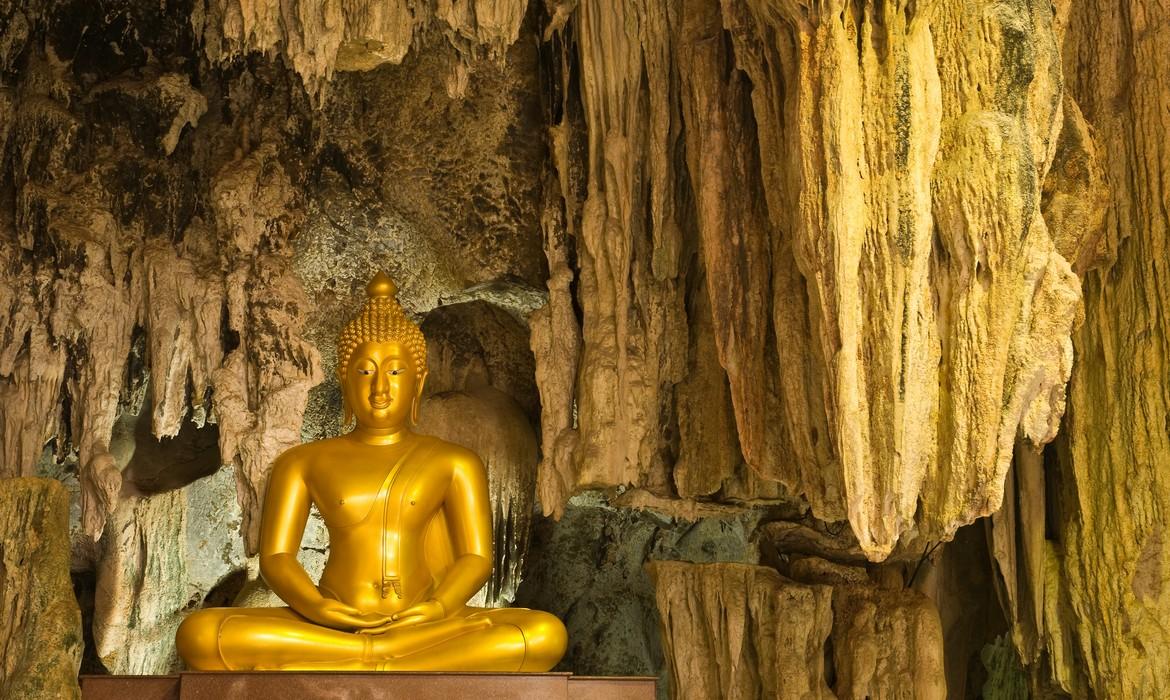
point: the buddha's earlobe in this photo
(346, 412)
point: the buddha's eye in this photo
(396, 372)
(366, 372)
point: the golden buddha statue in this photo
(410, 538)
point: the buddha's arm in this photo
(286, 510)
(469, 518)
(466, 509)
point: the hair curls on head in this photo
(382, 320)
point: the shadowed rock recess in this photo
(815, 349)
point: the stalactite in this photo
(318, 38)
(262, 386)
(184, 308)
(734, 236)
(555, 334)
(627, 249)
(887, 316)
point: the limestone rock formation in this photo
(317, 38)
(480, 394)
(141, 586)
(886, 643)
(1110, 562)
(262, 386)
(479, 344)
(40, 641)
(741, 631)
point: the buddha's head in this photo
(381, 361)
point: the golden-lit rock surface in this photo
(1112, 555)
(40, 641)
(887, 315)
(1079, 545)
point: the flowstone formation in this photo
(853, 302)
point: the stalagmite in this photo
(40, 640)
(886, 643)
(740, 631)
(164, 553)
(748, 631)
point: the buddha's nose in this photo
(380, 391)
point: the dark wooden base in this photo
(322, 685)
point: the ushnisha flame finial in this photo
(382, 286)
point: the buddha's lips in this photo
(374, 403)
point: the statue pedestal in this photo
(418, 686)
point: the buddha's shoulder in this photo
(306, 454)
(453, 453)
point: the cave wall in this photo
(757, 307)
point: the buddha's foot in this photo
(398, 642)
(461, 643)
(352, 665)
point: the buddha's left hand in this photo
(426, 611)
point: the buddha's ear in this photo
(418, 392)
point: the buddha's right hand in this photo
(338, 615)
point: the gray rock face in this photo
(170, 551)
(588, 568)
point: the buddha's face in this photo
(381, 386)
